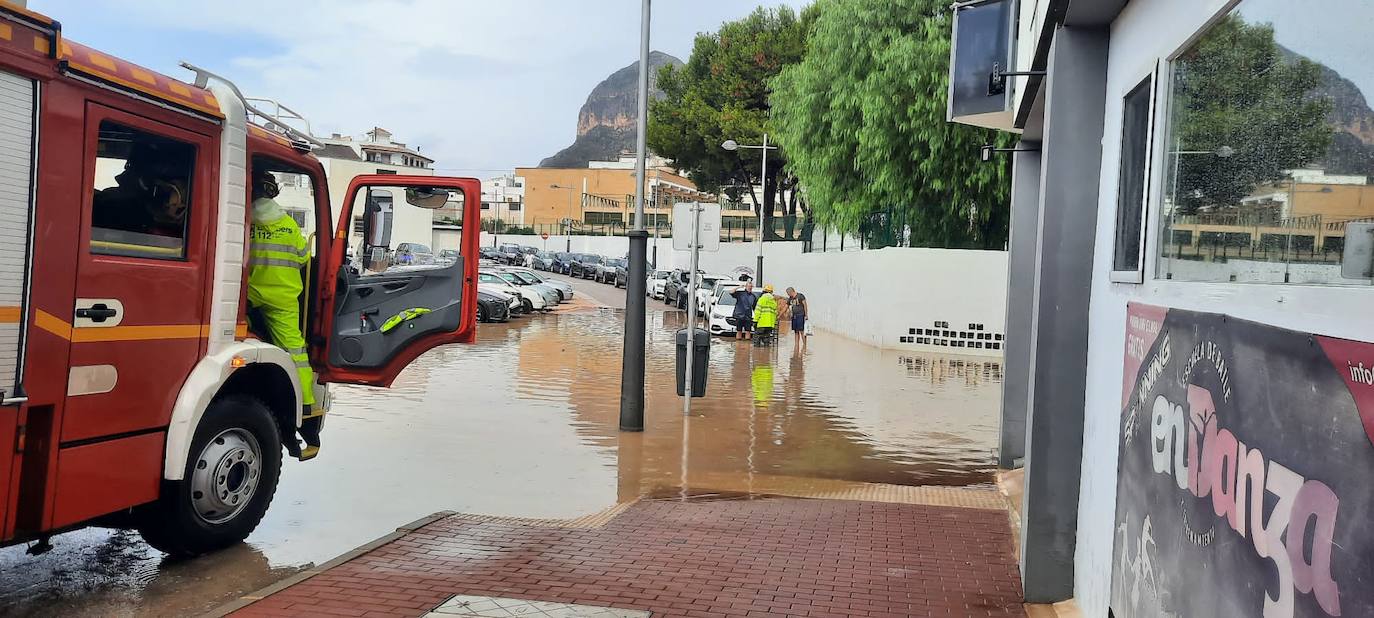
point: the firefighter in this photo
(766, 316)
(277, 253)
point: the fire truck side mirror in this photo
(429, 198)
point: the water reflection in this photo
(525, 424)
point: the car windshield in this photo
(490, 278)
(619, 263)
(725, 301)
(510, 277)
(526, 277)
(660, 275)
(708, 282)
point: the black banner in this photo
(1246, 473)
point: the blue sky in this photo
(482, 86)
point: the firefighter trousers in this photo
(284, 325)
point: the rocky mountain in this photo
(1352, 145)
(606, 122)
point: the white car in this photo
(658, 280)
(718, 318)
(565, 289)
(531, 299)
(711, 288)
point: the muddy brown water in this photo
(524, 423)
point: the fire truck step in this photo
(309, 453)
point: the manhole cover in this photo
(495, 607)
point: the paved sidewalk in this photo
(761, 557)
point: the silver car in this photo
(551, 295)
(564, 288)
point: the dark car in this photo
(510, 254)
(492, 308)
(622, 273)
(543, 260)
(584, 265)
(489, 253)
(677, 281)
(562, 262)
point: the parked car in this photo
(543, 260)
(565, 289)
(704, 284)
(677, 280)
(718, 319)
(658, 280)
(605, 271)
(412, 254)
(584, 265)
(531, 299)
(513, 301)
(492, 308)
(708, 296)
(622, 274)
(562, 262)
(448, 256)
(510, 254)
(489, 253)
(528, 282)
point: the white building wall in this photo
(1144, 34)
(409, 224)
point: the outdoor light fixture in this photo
(986, 151)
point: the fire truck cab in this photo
(133, 391)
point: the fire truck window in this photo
(142, 198)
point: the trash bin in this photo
(699, 355)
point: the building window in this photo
(1265, 178)
(1131, 182)
(382, 171)
(142, 198)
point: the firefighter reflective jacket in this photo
(275, 257)
(766, 311)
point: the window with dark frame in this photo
(142, 193)
(1131, 181)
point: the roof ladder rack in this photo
(276, 121)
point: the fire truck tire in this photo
(231, 477)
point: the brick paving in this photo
(753, 558)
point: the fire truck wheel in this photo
(231, 476)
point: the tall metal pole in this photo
(692, 280)
(759, 236)
(632, 363)
(567, 227)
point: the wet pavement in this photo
(523, 424)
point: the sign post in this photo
(704, 222)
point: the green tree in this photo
(1236, 93)
(862, 119)
(722, 94)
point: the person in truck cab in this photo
(149, 196)
(277, 252)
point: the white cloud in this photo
(478, 85)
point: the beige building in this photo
(1307, 213)
(602, 194)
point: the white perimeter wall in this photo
(875, 297)
(878, 296)
(1146, 33)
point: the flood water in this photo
(524, 423)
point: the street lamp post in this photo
(567, 225)
(732, 146)
(632, 362)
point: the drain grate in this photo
(495, 607)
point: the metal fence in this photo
(733, 229)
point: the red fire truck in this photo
(134, 392)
